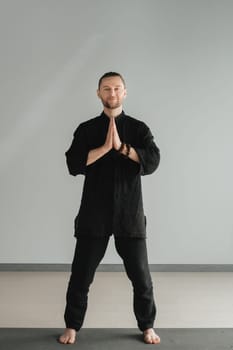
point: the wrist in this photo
(128, 148)
(124, 149)
(105, 149)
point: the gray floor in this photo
(116, 339)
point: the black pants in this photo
(88, 254)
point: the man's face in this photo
(112, 92)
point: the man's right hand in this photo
(99, 152)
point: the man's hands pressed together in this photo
(112, 138)
(112, 141)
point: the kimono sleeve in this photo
(76, 155)
(147, 150)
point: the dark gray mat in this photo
(116, 339)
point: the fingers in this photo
(116, 138)
(109, 136)
(110, 126)
(112, 137)
(114, 128)
(112, 123)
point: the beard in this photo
(111, 104)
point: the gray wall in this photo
(176, 57)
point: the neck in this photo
(113, 113)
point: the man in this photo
(112, 150)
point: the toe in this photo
(156, 340)
(61, 339)
(150, 337)
(68, 337)
(71, 341)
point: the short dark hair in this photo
(110, 74)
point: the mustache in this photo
(111, 106)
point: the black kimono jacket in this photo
(112, 197)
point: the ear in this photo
(98, 93)
(125, 93)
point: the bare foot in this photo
(150, 337)
(68, 337)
